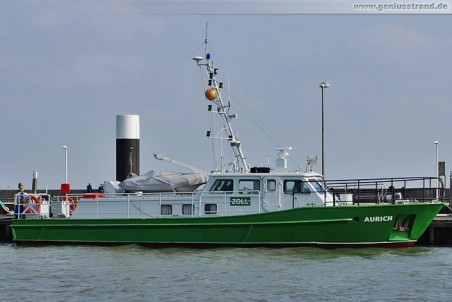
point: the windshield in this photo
(318, 187)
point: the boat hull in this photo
(373, 225)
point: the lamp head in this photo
(324, 85)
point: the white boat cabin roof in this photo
(221, 182)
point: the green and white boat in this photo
(261, 209)
(240, 206)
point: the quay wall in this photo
(438, 233)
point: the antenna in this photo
(205, 40)
(213, 94)
(312, 161)
(229, 90)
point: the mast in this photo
(213, 94)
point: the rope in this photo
(7, 210)
(261, 126)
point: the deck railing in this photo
(141, 205)
(387, 190)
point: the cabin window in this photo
(249, 185)
(271, 185)
(317, 186)
(300, 187)
(222, 185)
(188, 209)
(210, 208)
(166, 209)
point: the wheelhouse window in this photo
(222, 185)
(297, 185)
(166, 209)
(252, 185)
(210, 208)
(188, 209)
(271, 185)
(317, 186)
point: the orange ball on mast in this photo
(211, 94)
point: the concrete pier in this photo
(439, 232)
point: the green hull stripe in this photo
(188, 224)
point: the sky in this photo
(69, 67)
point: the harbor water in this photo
(137, 273)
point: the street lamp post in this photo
(437, 170)
(65, 163)
(323, 85)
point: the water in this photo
(136, 273)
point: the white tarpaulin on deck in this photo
(164, 181)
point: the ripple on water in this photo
(136, 273)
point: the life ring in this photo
(36, 205)
(74, 202)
